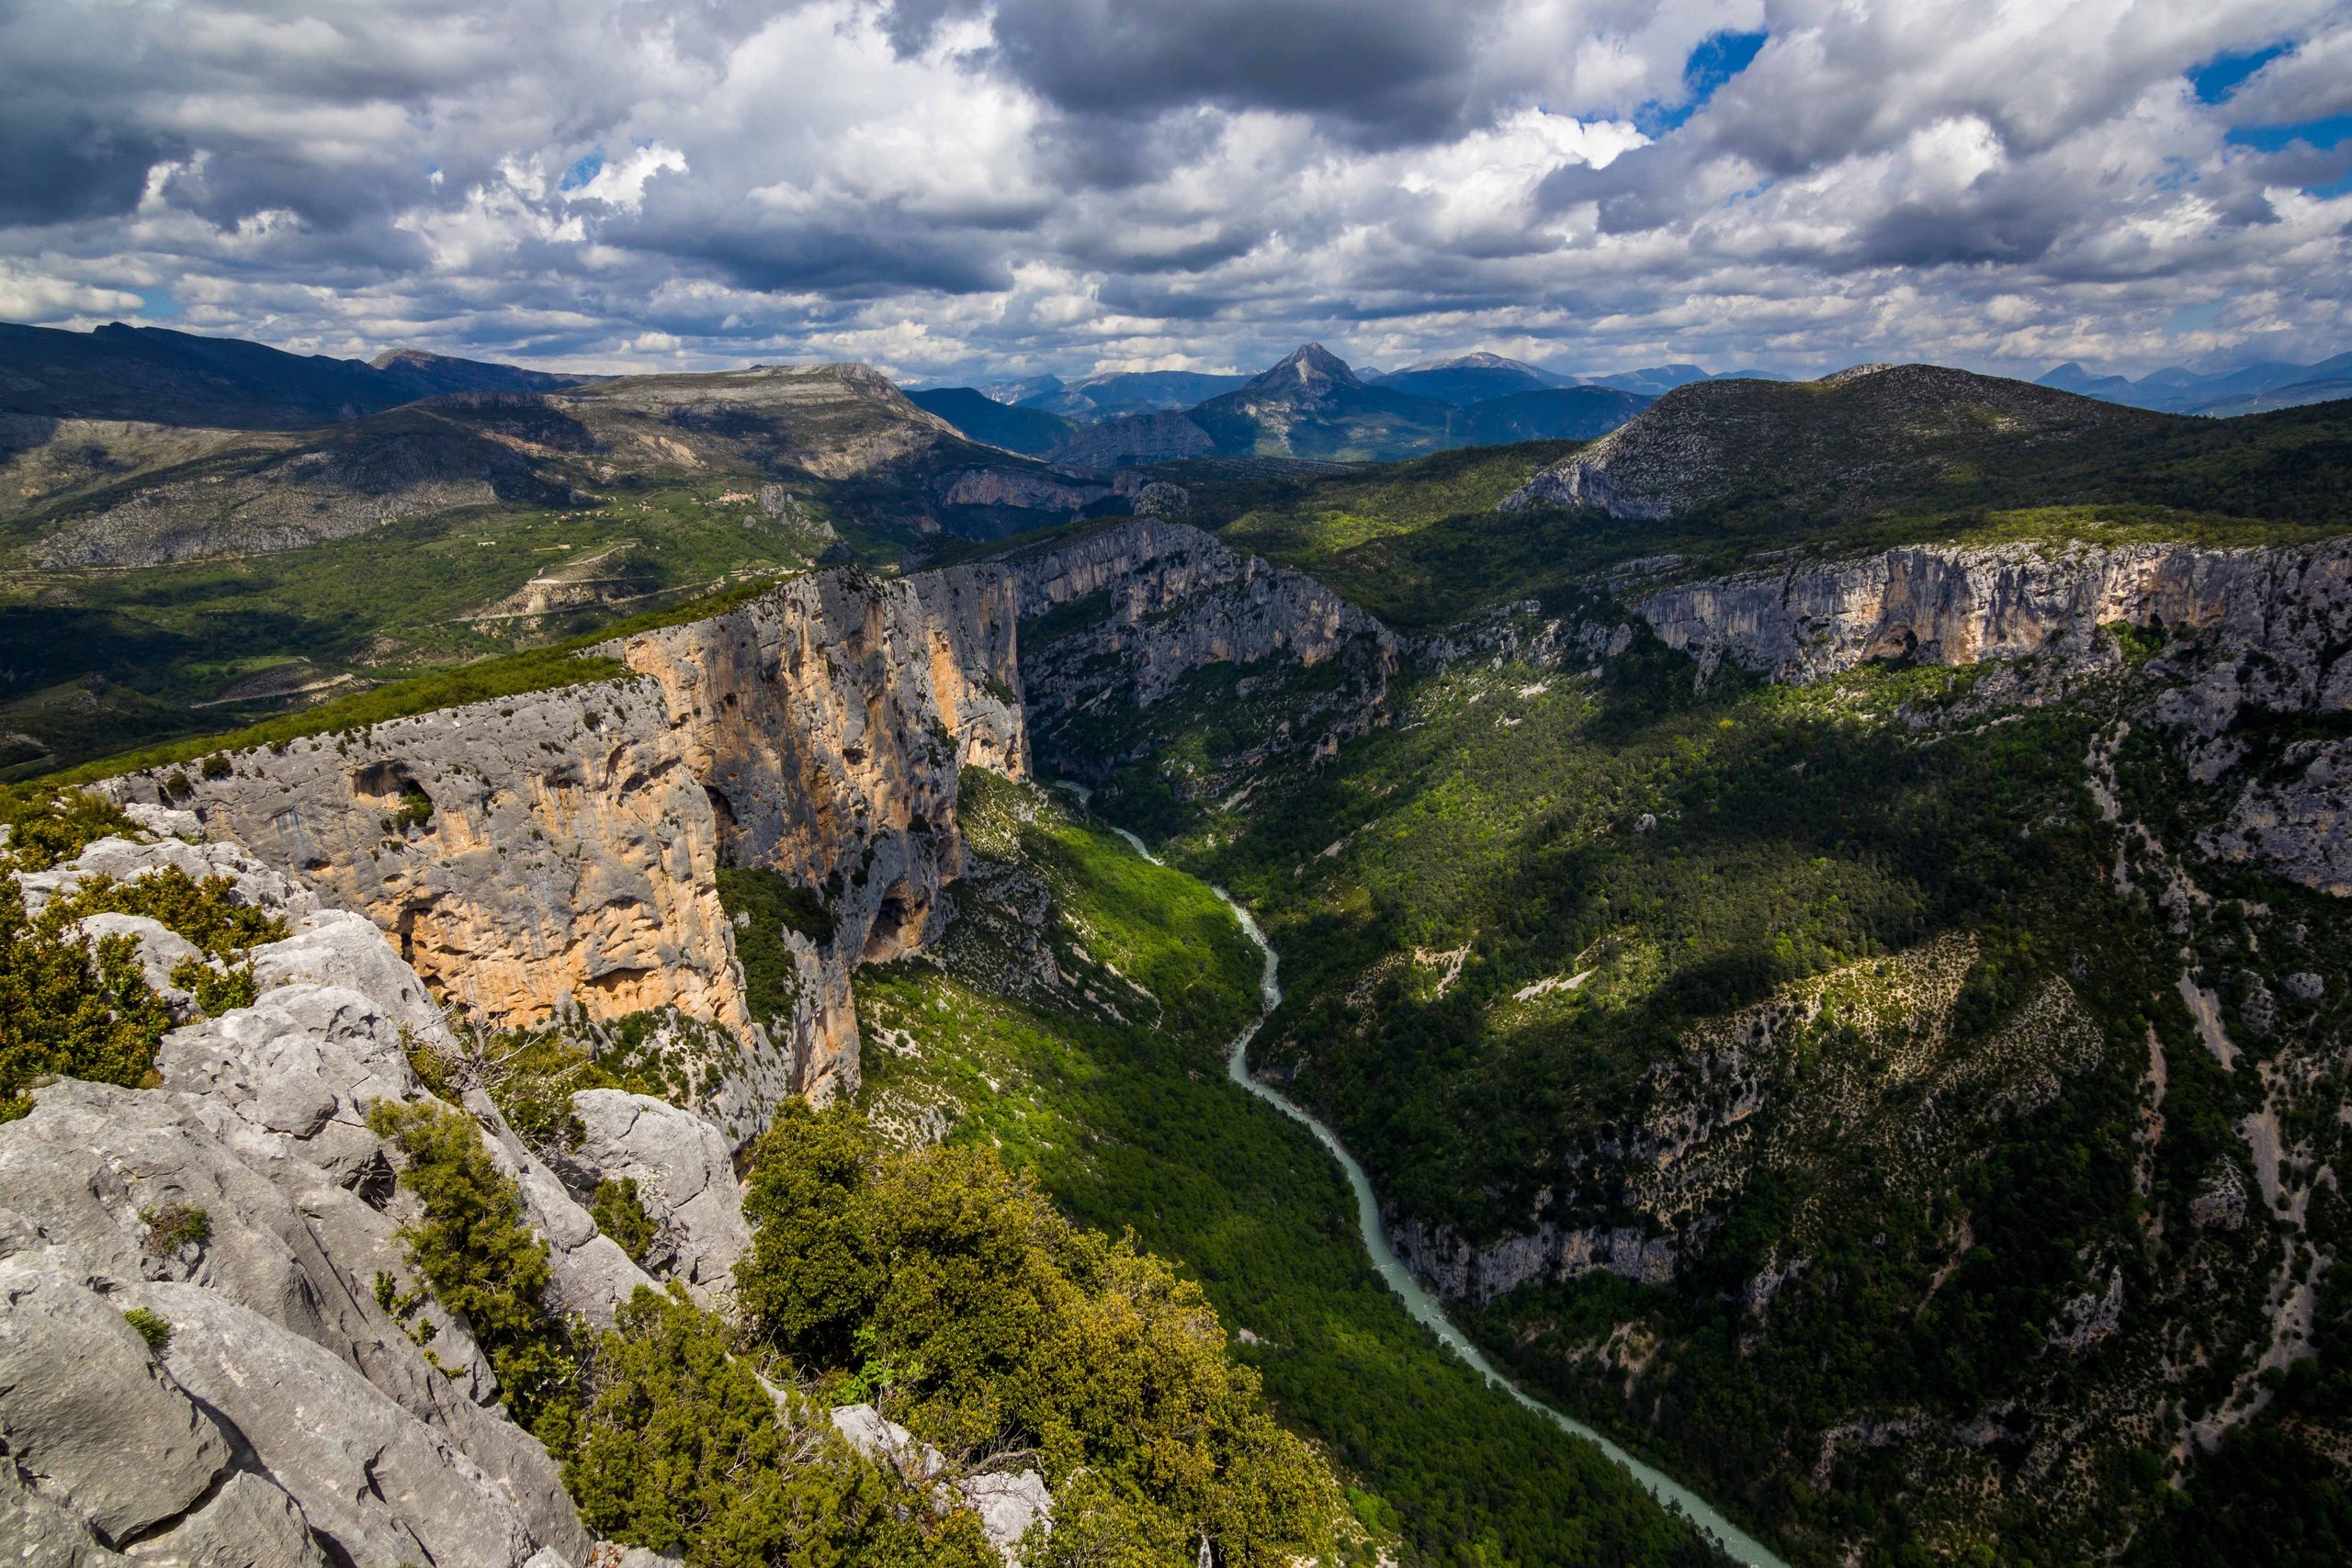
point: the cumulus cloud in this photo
(975, 187)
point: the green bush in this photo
(683, 1450)
(208, 912)
(151, 1325)
(48, 826)
(620, 1215)
(1007, 1326)
(482, 1261)
(67, 1010)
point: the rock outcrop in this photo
(267, 1400)
(556, 853)
(1138, 606)
(684, 1175)
(827, 724)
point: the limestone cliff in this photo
(556, 853)
(827, 724)
(1120, 617)
(2254, 632)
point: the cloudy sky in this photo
(964, 189)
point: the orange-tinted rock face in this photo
(826, 723)
(569, 860)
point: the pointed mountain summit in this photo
(1311, 370)
(1312, 405)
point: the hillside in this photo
(1032, 431)
(1095, 397)
(154, 376)
(1470, 378)
(1920, 441)
(173, 580)
(1826, 1024)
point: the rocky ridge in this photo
(253, 1386)
(289, 1418)
(2253, 637)
(1122, 616)
(555, 854)
(2262, 632)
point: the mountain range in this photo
(1312, 405)
(154, 376)
(2250, 389)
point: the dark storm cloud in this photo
(1387, 70)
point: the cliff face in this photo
(1946, 605)
(827, 724)
(1120, 617)
(2257, 634)
(569, 859)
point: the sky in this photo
(979, 190)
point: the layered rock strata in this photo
(556, 853)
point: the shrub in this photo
(683, 1450)
(152, 1326)
(48, 826)
(207, 913)
(1004, 1327)
(176, 1226)
(415, 810)
(620, 1215)
(70, 1010)
(482, 1261)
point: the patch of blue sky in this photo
(1718, 59)
(2222, 75)
(155, 302)
(2320, 133)
(581, 173)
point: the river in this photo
(1423, 1306)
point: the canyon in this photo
(557, 860)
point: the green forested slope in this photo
(1521, 930)
(1110, 1085)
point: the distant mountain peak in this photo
(1312, 366)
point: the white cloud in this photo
(1028, 185)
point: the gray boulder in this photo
(335, 947)
(305, 1061)
(34, 1528)
(387, 1489)
(161, 949)
(286, 1243)
(249, 1523)
(1007, 1504)
(591, 1275)
(684, 1173)
(90, 1419)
